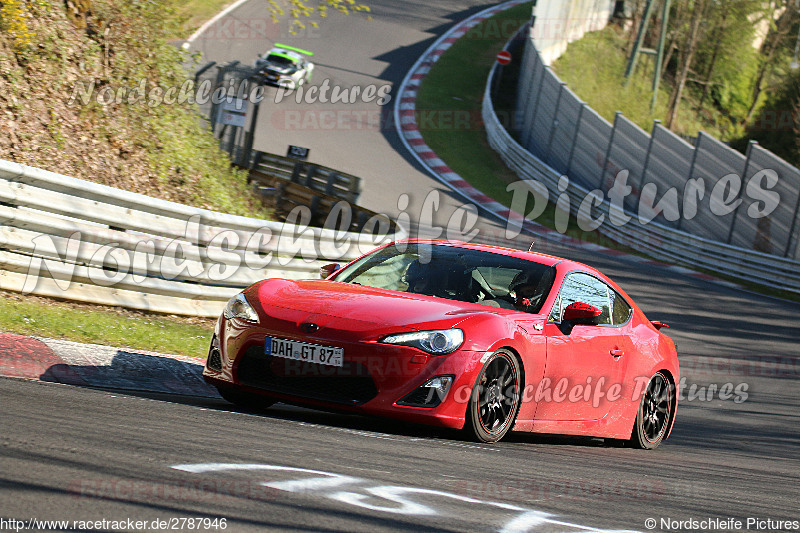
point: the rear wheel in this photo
(655, 413)
(245, 400)
(495, 398)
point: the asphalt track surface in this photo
(79, 453)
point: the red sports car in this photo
(468, 336)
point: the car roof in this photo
(544, 259)
(285, 53)
(537, 257)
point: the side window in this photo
(620, 310)
(579, 287)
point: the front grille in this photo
(349, 384)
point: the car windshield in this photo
(454, 273)
(280, 60)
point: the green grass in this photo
(452, 91)
(601, 84)
(97, 325)
(195, 12)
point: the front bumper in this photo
(373, 379)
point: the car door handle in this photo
(617, 353)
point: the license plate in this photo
(304, 351)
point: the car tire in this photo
(495, 398)
(245, 400)
(655, 413)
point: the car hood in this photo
(364, 304)
(280, 68)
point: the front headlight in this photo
(239, 307)
(436, 342)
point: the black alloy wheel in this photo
(495, 398)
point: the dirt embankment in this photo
(72, 74)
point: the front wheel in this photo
(655, 413)
(495, 398)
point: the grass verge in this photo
(602, 85)
(449, 114)
(44, 317)
(195, 13)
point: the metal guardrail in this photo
(68, 238)
(320, 178)
(654, 239)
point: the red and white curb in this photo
(93, 365)
(409, 132)
(408, 129)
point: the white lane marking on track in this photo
(526, 519)
(214, 19)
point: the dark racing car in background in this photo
(458, 335)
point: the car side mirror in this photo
(260, 56)
(327, 270)
(580, 313)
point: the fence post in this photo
(575, 137)
(691, 171)
(214, 106)
(744, 177)
(525, 132)
(250, 135)
(794, 227)
(524, 84)
(608, 151)
(202, 71)
(656, 123)
(555, 123)
(536, 105)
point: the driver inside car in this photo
(524, 289)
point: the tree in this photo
(726, 58)
(777, 126)
(686, 56)
(303, 9)
(783, 17)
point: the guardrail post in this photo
(331, 181)
(312, 171)
(296, 171)
(739, 195)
